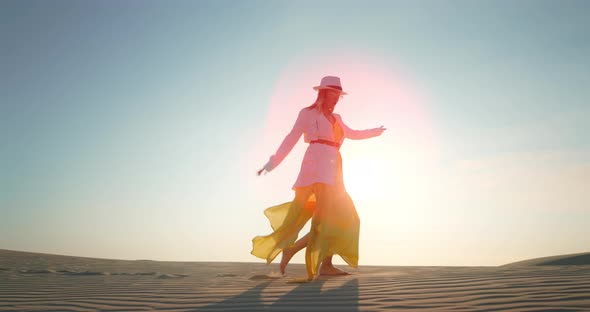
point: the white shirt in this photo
(314, 125)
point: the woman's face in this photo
(331, 99)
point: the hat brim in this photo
(317, 88)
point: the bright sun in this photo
(363, 179)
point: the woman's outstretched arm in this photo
(360, 134)
(287, 145)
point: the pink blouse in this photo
(319, 161)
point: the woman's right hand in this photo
(267, 167)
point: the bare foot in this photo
(331, 270)
(287, 255)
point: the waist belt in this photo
(325, 142)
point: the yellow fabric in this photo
(334, 228)
(286, 220)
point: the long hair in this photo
(318, 100)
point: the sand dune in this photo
(41, 282)
(572, 259)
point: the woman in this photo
(319, 191)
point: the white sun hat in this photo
(330, 82)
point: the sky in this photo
(134, 129)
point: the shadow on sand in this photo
(305, 297)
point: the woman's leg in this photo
(302, 195)
(325, 195)
(318, 258)
(326, 268)
(289, 252)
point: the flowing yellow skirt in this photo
(334, 227)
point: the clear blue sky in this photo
(133, 129)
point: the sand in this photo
(42, 282)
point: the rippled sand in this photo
(40, 282)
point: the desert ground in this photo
(44, 282)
